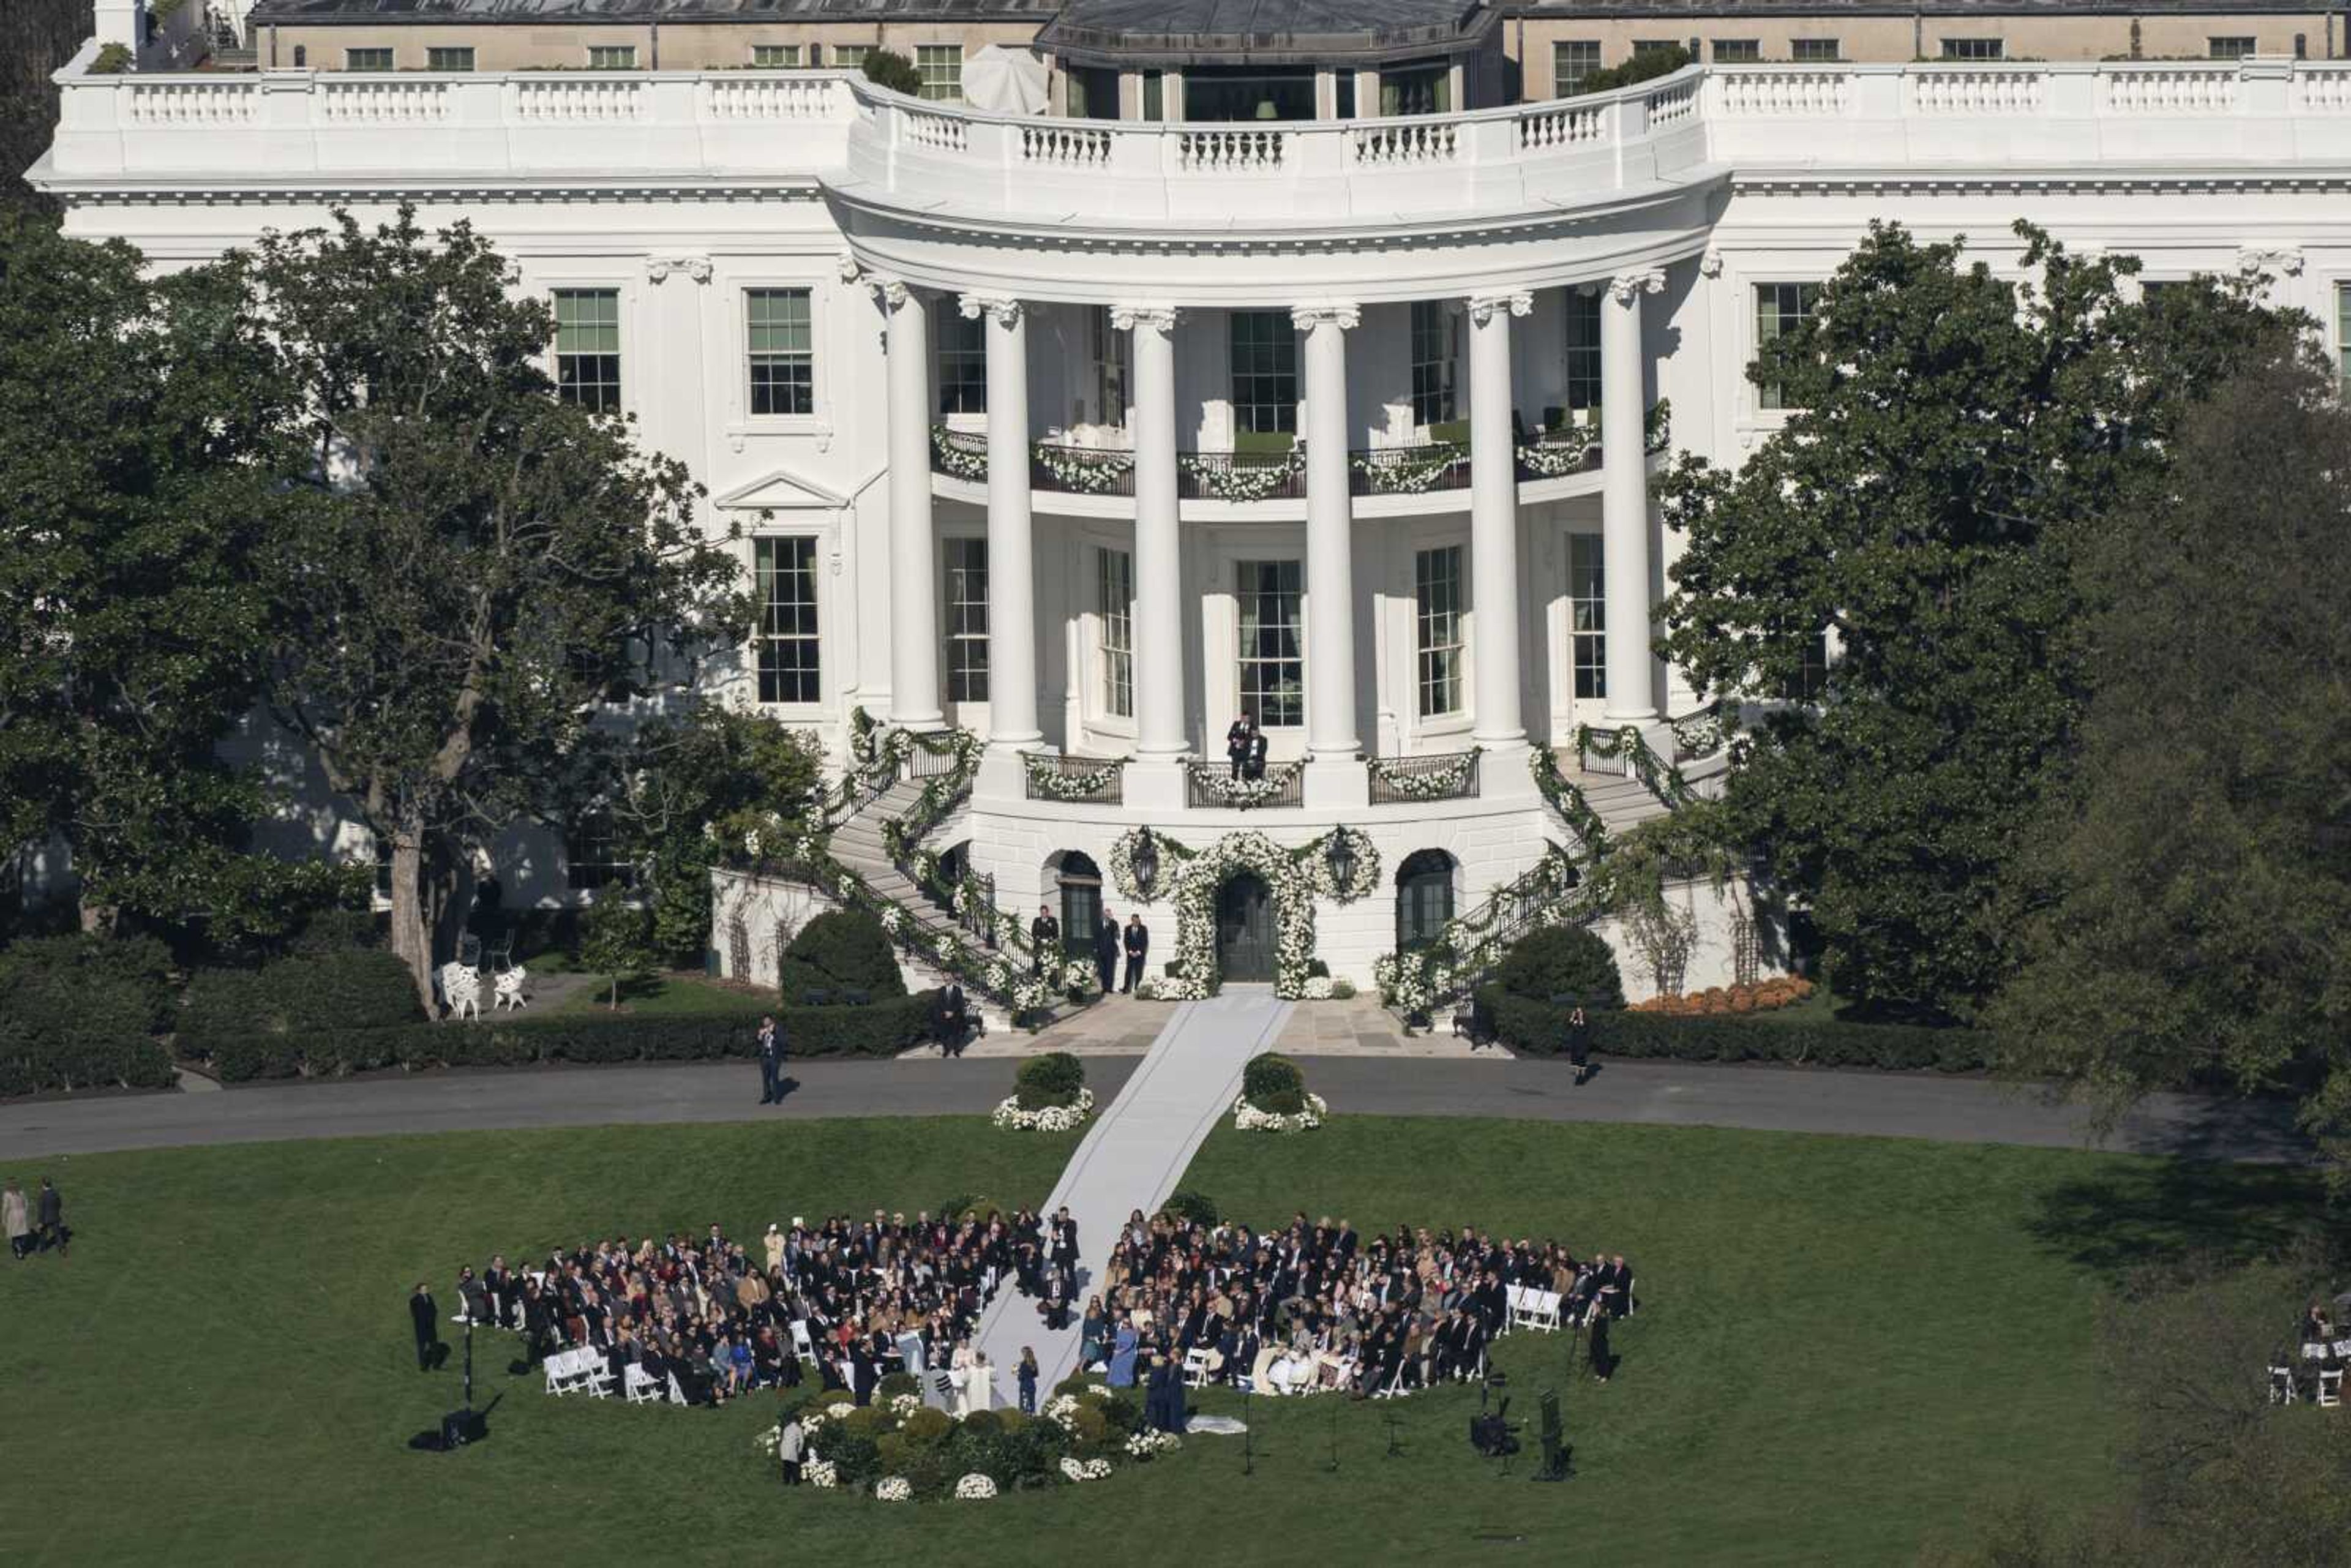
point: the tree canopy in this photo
(1957, 435)
(479, 568)
(2197, 918)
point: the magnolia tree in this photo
(477, 567)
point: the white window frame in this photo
(789, 57)
(1597, 635)
(443, 57)
(1975, 50)
(940, 67)
(737, 365)
(351, 59)
(1240, 703)
(1563, 86)
(1108, 654)
(1816, 51)
(759, 636)
(1423, 649)
(961, 555)
(611, 56)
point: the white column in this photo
(1494, 523)
(1624, 497)
(1011, 550)
(913, 545)
(1158, 558)
(1330, 541)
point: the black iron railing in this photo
(1210, 786)
(1407, 781)
(1078, 781)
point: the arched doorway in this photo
(1245, 939)
(1424, 898)
(1079, 881)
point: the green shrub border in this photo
(1537, 1029)
(880, 1029)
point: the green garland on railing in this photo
(1556, 889)
(1625, 744)
(1567, 799)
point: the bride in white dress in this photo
(959, 1370)
(981, 1382)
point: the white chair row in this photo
(2320, 1350)
(580, 1371)
(2284, 1390)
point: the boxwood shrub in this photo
(1053, 1079)
(840, 950)
(82, 1012)
(882, 1029)
(1540, 1029)
(1273, 1083)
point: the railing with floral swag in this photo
(1243, 475)
(1409, 470)
(1076, 780)
(1439, 776)
(1567, 799)
(1469, 947)
(1213, 786)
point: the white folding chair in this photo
(1542, 1310)
(1195, 1367)
(1514, 1298)
(802, 1346)
(1394, 1387)
(2281, 1385)
(2313, 1350)
(2330, 1386)
(640, 1387)
(598, 1375)
(677, 1394)
(557, 1368)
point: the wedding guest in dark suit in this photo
(1138, 948)
(1254, 769)
(1106, 951)
(1602, 1364)
(1044, 940)
(1237, 738)
(425, 1318)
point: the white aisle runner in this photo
(1132, 1158)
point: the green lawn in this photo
(1844, 1344)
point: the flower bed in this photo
(1273, 1098)
(1247, 1118)
(1011, 1114)
(1782, 990)
(1084, 1433)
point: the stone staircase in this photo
(1623, 801)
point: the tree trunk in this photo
(412, 929)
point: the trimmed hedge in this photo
(1562, 961)
(1541, 1029)
(882, 1029)
(357, 988)
(82, 1012)
(1273, 1083)
(1050, 1079)
(840, 950)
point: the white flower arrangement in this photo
(1061, 1410)
(1240, 794)
(1408, 470)
(905, 1405)
(1096, 1470)
(769, 1441)
(1236, 482)
(1247, 1118)
(892, 917)
(821, 1473)
(1048, 782)
(1074, 1470)
(1317, 988)
(1443, 784)
(1099, 1390)
(1557, 459)
(1189, 880)
(1147, 1445)
(1010, 1115)
(1083, 471)
(893, 1489)
(1077, 972)
(955, 459)
(974, 1487)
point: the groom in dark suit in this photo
(1106, 951)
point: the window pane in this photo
(1587, 615)
(782, 362)
(941, 68)
(851, 57)
(1781, 308)
(2342, 332)
(612, 57)
(1814, 49)
(2230, 48)
(594, 858)
(774, 56)
(785, 570)
(1571, 61)
(1436, 604)
(1433, 400)
(448, 59)
(1582, 349)
(1114, 602)
(367, 59)
(588, 346)
(966, 569)
(963, 357)
(1265, 372)
(1737, 51)
(1272, 661)
(1972, 48)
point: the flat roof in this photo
(470, 13)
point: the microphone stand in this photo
(1249, 1431)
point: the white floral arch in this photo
(1295, 877)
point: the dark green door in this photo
(1245, 929)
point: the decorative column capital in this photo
(659, 267)
(1710, 263)
(1143, 318)
(2283, 260)
(1341, 313)
(1003, 309)
(1482, 306)
(1628, 286)
(888, 292)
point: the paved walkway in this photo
(1778, 1099)
(1132, 1158)
(1121, 1026)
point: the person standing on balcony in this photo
(1106, 951)
(1238, 738)
(1138, 948)
(1253, 765)
(1044, 936)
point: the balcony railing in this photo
(1075, 780)
(1433, 776)
(1210, 787)
(1424, 468)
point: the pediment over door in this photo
(782, 491)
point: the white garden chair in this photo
(1197, 1367)
(508, 988)
(2282, 1391)
(1542, 1310)
(642, 1388)
(802, 1346)
(599, 1384)
(2330, 1387)
(565, 1372)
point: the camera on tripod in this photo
(1491, 1433)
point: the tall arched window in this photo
(1424, 898)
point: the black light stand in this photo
(1249, 1433)
(1396, 1449)
(1334, 1437)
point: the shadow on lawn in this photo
(2132, 1214)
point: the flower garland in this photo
(1240, 794)
(1701, 733)
(1567, 799)
(1554, 891)
(1247, 1118)
(1048, 781)
(955, 459)
(1443, 784)
(1010, 1115)
(1557, 459)
(1627, 746)
(1231, 481)
(1408, 470)
(1084, 471)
